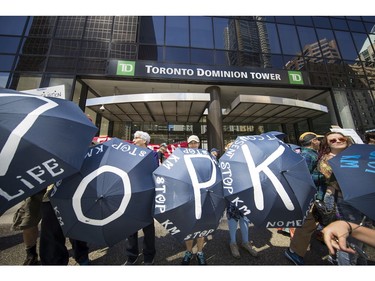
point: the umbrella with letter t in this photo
(42, 140)
(189, 201)
(354, 169)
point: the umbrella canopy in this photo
(111, 197)
(354, 169)
(189, 199)
(42, 140)
(276, 134)
(267, 181)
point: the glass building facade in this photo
(239, 56)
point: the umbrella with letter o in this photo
(267, 181)
(42, 140)
(354, 169)
(111, 197)
(189, 201)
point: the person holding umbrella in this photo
(162, 149)
(142, 139)
(299, 243)
(332, 144)
(194, 142)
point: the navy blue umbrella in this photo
(111, 197)
(354, 169)
(189, 200)
(42, 140)
(267, 181)
(276, 134)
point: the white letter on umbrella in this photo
(196, 184)
(263, 167)
(11, 145)
(82, 187)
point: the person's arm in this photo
(336, 233)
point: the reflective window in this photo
(31, 63)
(69, 48)
(98, 28)
(363, 46)
(307, 36)
(339, 24)
(201, 32)
(346, 45)
(70, 27)
(177, 55)
(289, 39)
(277, 61)
(356, 26)
(94, 49)
(370, 27)
(150, 53)
(321, 22)
(123, 51)
(41, 26)
(3, 79)
(223, 57)
(284, 20)
(35, 46)
(12, 25)
(273, 38)
(92, 66)
(6, 62)
(61, 65)
(177, 31)
(152, 30)
(202, 56)
(221, 33)
(303, 21)
(9, 44)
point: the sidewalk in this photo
(270, 244)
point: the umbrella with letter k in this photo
(267, 181)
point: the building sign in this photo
(52, 92)
(247, 75)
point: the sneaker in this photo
(131, 261)
(187, 258)
(234, 250)
(248, 247)
(294, 258)
(201, 259)
(31, 260)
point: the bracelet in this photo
(350, 228)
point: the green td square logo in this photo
(295, 77)
(126, 68)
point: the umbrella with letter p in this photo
(111, 197)
(42, 140)
(189, 200)
(354, 169)
(267, 181)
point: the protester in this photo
(235, 217)
(370, 137)
(27, 219)
(161, 152)
(53, 250)
(194, 142)
(142, 139)
(214, 152)
(332, 144)
(336, 236)
(299, 242)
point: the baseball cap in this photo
(163, 144)
(306, 137)
(193, 138)
(214, 149)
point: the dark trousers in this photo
(132, 249)
(52, 249)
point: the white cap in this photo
(193, 138)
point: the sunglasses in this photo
(336, 140)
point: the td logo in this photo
(126, 68)
(295, 77)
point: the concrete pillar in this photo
(214, 120)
